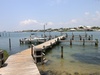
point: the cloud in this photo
(28, 22)
(73, 21)
(92, 20)
(50, 23)
(87, 13)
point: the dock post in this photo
(32, 50)
(72, 37)
(61, 51)
(70, 42)
(1, 58)
(80, 37)
(83, 42)
(9, 43)
(91, 37)
(96, 42)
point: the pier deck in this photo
(48, 43)
(20, 64)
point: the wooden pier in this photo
(22, 63)
(80, 38)
(37, 51)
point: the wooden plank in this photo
(46, 44)
(20, 64)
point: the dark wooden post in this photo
(71, 42)
(9, 43)
(1, 58)
(91, 37)
(72, 37)
(96, 42)
(83, 42)
(61, 51)
(32, 50)
(80, 37)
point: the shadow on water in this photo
(89, 58)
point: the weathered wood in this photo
(20, 64)
(96, 42)
(71, 42)
(61, 51)
(9, 44)
(1, 58)
(83, 42)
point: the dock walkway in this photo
(50, 42)
(20, 64)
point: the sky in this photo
(18, 15)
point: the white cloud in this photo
(91, 20)
(28, 22)
(87, 13)
(73, 21)
(50, 23)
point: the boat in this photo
(32, 40)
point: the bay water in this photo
(76, 58)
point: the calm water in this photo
(77, 58)
(15, 44)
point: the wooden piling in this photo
(9, 43)
(91, 37)
(1, 58)
(70, 42)
(83, 42)
(80, 37)
(96, 42)
(72, 37)
(32, 50)
(61, 51)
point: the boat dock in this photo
(22, 63)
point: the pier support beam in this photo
(9, 44)
(80, 37)
(83, 42)
(1, 58)
(61, 51)
(70, 42)
(32, 50)
(96, 42)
